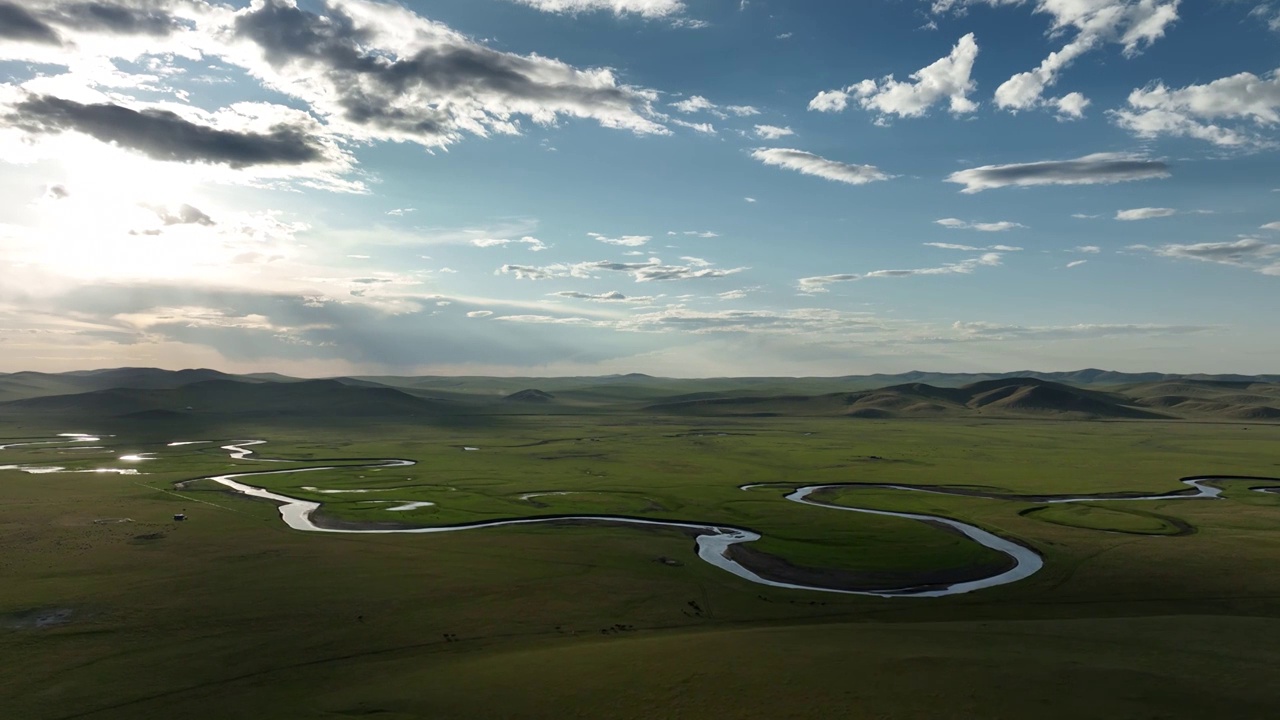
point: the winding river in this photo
(713, 540)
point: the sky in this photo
(684, 188)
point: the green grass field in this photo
(231, 614)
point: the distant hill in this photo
(156, 394)
(1015, 397)
(529, 396)
(232, 398)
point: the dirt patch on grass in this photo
(772, 567)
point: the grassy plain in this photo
(230, 614)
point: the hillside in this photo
(232, 398)
(1017, 397)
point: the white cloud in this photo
(819, 284)
(971, 248)
(1247, 101)
(749, 199)
(480, 313)
(624, 241)
(654, 270)
(697, 103)
(946, 79)
(705, 128)
(1076, 263)
(1132, 24)
(1099, 168)
(1072, 105)
(401, 212)
(1088, 249)
(957, 224)
(810, 164)
(772, 132)
(533, 243)
(1271, 226)
(644, 8)
(1145, 213)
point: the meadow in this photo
(1166, 608)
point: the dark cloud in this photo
(57, 192)
(1094, 169)
(16, 23)
(164, 135)
(115, 18)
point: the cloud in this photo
(608, 297)
(17, 23)
(819, 283)
(772, 132)
(1076, 263)
(165, 135)
(957, 224)
(994, 331)
(57, 192)
(624, 241)
(1099, 168)
(1145, 213)
(1132, 24)
(970, 248)
(401, 212)
(1197, 111)
(651, 271)
(704, 128)
(697, 103)
(649, 9)
(1271, 226)
(184, 215)
(1088, 249)
(1250, 253)
(1071, 106)
(533, 243)
(810, 164)
(480, 313)
(378, 71)
(946, 79)
(749, 200)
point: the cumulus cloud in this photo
(1145, 213)
(1099, 168)
(1226, 112)
(958, 224)
(772, 132)
(184, 215)
(1132, 24)
(810, 164)
(946, 79)
(1089, 249)
(1271, 226)
(819, 283)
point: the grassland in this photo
(230, 614)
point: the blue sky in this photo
(677, 187)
